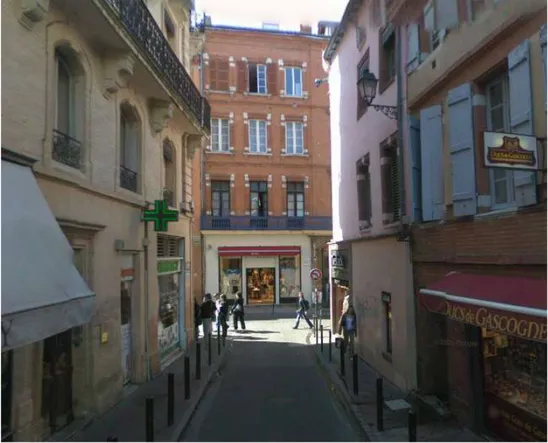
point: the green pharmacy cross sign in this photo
(161, 215)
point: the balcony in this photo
(66, 149)
(136, 19)
(249, 223)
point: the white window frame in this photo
(291, 129)
(223, 143)
(255, 126)
(511, 201)
(262, 80)
(293, 70)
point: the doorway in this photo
(57, 380)
(261, 285)
(125, 325)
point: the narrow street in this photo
(271, 388)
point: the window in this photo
(259, 199)
(68, 131)
(220, 198)
(438, 17)
(364, 192)
(294, 138)
(295, 199)
(257, 136)
(130, 147)
(290, 277)
(170, 31)
(387, 311)
(363, 66)
(498, 119)
(220, 135)
(169, 172)
(230, 277)
(294, 82)
(390, 184)
(387, 59)
(167, 246)
(218, 75)
(257, 78)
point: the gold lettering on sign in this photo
(511, 325)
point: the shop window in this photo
(259, 199)
(387, 312)
(295, 199)
(290, 277)
(230, 277)
(220, 198)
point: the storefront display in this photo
(515, 385)
(168, 316)
(261, 285)
(290, 278)
(230, 277)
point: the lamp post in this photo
(367, 85)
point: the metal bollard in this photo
(198, 360)
(355, 374)
(149, 419)
(330, 345)
(218, 341)
(380, 401)
(170, 398)
(187, 377)
(209, 349)
(342, 358)
(412, 425)
(321, 338)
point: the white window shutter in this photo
(447, 14)
(413, 49)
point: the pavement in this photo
(395, 411)
(271, 388)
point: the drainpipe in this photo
(147, 346)
(401, 122)
(202, 176)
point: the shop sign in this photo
(517, 325)
(338, 261)
(510, 151)
(168, 266)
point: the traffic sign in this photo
(315, 274)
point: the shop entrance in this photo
(261, 285)
(125, 318)
(57, 380)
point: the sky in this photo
(289, 14)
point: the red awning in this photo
(237, 251)
(513, 305)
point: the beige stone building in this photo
(100, 119)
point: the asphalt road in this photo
(270, 390)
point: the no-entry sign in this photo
(315, 274)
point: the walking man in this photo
(207, 312)
(301, 312)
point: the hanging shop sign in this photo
(510, 151)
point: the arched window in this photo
(170, 172)
(68, 133)
(130, 148)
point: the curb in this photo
(193, 406)
(338, 390)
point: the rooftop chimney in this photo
(306, 29)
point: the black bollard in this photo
(316, 330)
(187, 377)
(355, 374)
(170, 398)
(330, 344)
(218, 341)
(321, 338)
(380, 401)
(209, 349)
(342, 358)
(198, 361)
(149, 419)
(412, 426)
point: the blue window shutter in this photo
(521, 116)
(413, 47)
(461, 147)
(543, 55)
(415, 156)
(431, 133)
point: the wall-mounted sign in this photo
(510, 151)
(315, 274)
(169, 266)
(337, 261)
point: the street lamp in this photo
(367, 85)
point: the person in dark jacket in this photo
(197, 318)
(238, 312)
(207, 313)
(301, 312)
(347, 326)
(222, 312)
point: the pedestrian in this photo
(301, 312)
(207, 312)
(217, 300)
(223, 315)
(348, 325)
(238, 312)
(197, 318)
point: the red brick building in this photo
(266, 195)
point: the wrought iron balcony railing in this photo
(66, 149)
(140, 24)
(249, 223)
(169, 197)
(128, 179)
